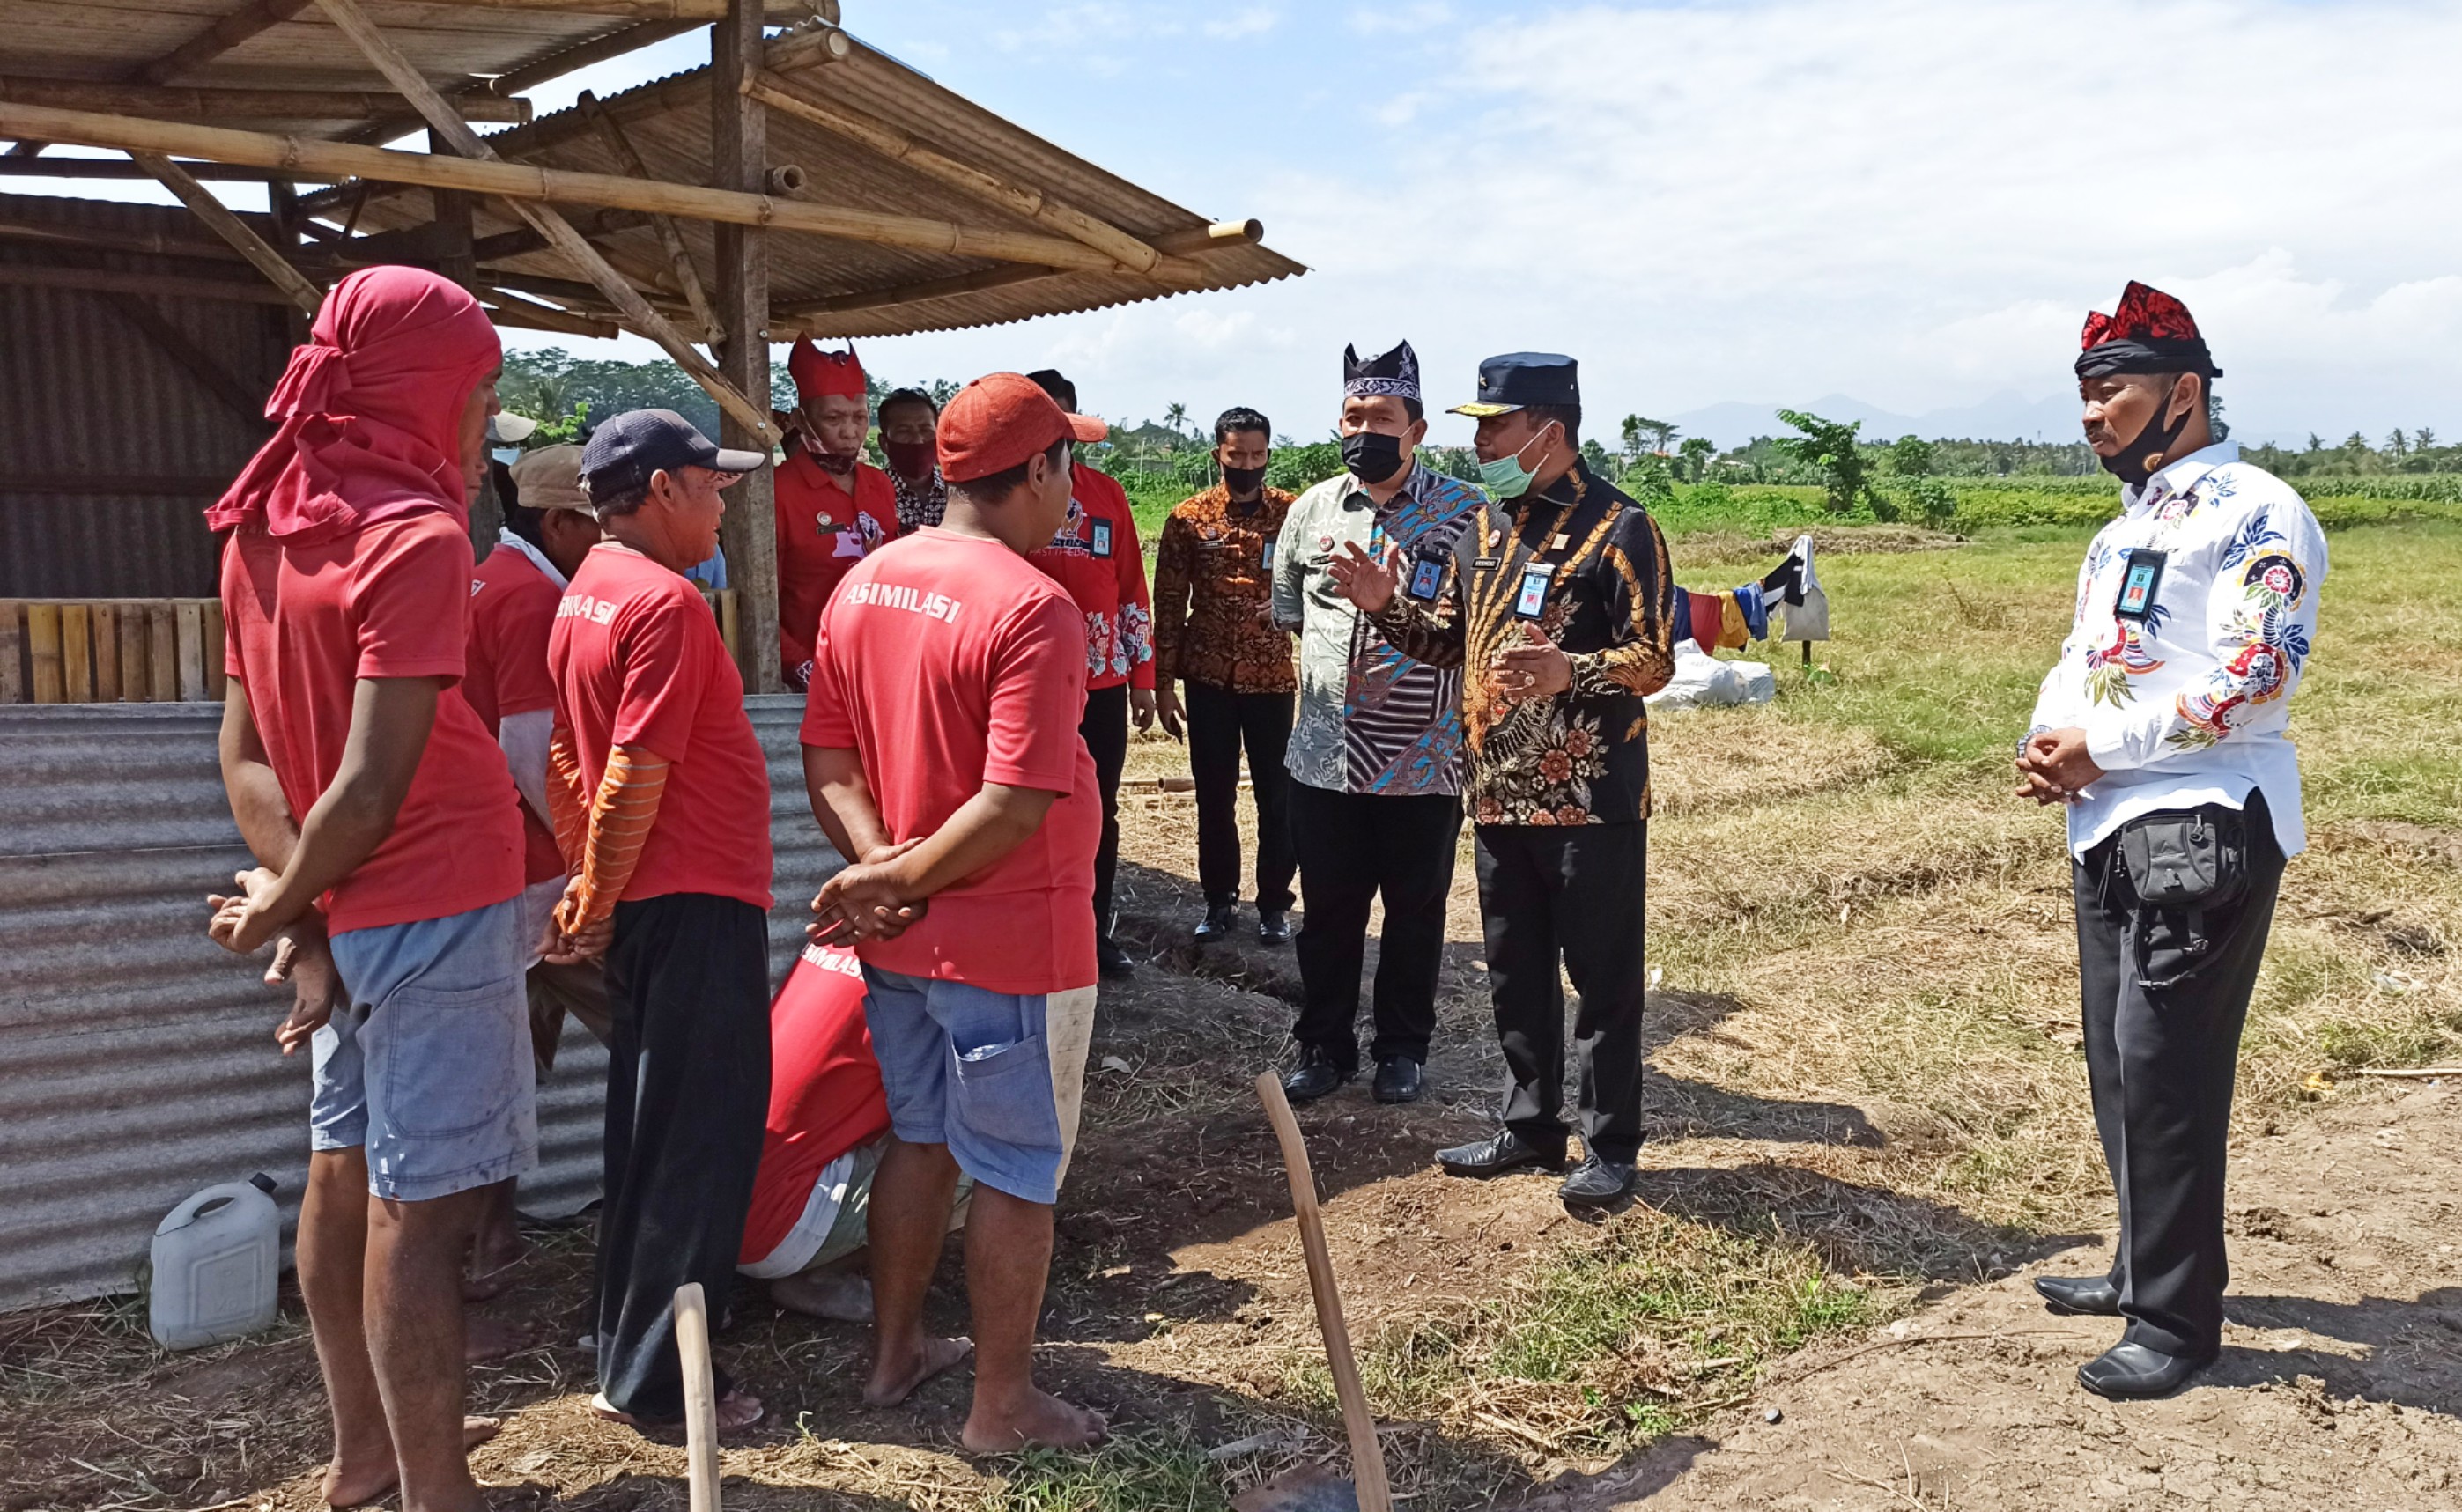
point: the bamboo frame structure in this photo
(232, 230)
(629, 159)
(238, 104)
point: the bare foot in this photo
(485, 1339)
(893, 1380)
(836, 1295)
(737, 1411)
(1042, 1420)
(350, 1485)
(492, 1269)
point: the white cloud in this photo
(1255, 21)
(1401, 19)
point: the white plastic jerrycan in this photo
(217, 1259)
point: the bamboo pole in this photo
(403, 75)
(219, 218)
(76, 653)
(1219, 236)
(507, 310)
(629, 160)
(219, 38)
(308, 156)
(237, 104)
(43, 651)
(12, 651)
(136, 682)
(774, 12)
(162, 653)
(106, 653)
(783, 94)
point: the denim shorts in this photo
(996, 1076)
(429, 1068)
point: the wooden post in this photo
(162, 653)
(76, 653)
(12, 653)
(217, 680)
(106, 653)
(136, 682)
(189, 626)
(740, 161)
(43, 650)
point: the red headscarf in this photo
(370, 411)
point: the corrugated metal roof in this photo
(137, 1058)
(668, 123)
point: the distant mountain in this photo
(2006, 416)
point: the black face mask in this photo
(1244, 482)
(1371, 456)
(2147, 451)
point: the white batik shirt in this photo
(2190, 704)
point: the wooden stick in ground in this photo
(449, 124)
(701, 1396)
(1367, 1457)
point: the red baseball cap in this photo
(999, 420)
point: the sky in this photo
(1907, 203)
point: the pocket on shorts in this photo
(1004, 1092)
(454, 1058)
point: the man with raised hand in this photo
(833, 507)
(1558, 603)
(1375, 755)
(2164, 729)
(662, 799)
(941, 751)
(390, 849)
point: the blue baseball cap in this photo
(623, 453)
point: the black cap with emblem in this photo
(1518, 379)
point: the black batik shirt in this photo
(1581, 756)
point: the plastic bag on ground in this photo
(1703, 680)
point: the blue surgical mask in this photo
(1505, 477)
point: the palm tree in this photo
(1175, 417)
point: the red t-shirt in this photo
(822, 532)
(1095, 556)
(305, 624)
(946, 662)
(638, 661)
(825, 1092)
(512, 608)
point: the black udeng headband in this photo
(2154, 355)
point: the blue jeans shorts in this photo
(997, 1077)
(429, 1067)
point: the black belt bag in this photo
(2184, 867)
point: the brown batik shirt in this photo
(1586, 567)
(1212, 581)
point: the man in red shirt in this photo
(1094, 554)
(549, 529)
(663, 803)
(390, 853)
(833, 507)
(942, 761)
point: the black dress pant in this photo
(2161, 1061)
(1576, 894)
(687, 1096)
(1106, 732)
(1219, 723)
(1352, 846)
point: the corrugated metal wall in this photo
(137, 1059)
(88, 395)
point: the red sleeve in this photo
(412, 594)
(828, 723)
(660, 698)
(1038, 683)
(524, 684)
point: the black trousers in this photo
(1573, 894)
(1106, 732)
(687, 1095)
(1219, 723)
(1354, 847)
(2161, 1062)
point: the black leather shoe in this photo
(1397, 1080)
(2079, 1296)
(1597, 1184)
(1317, 1075)
(1217, 924)
(1112, 960)
(1500, 1152)
(2131, 1372)
(1274, 928)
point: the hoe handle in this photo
(701, 1396)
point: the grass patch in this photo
(1606, 1347)
(1148, 1472)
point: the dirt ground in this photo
(1867, 1129)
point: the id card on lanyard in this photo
(1532, 601)
(2139, 582)
(1103, 538)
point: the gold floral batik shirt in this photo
(1582, 564)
